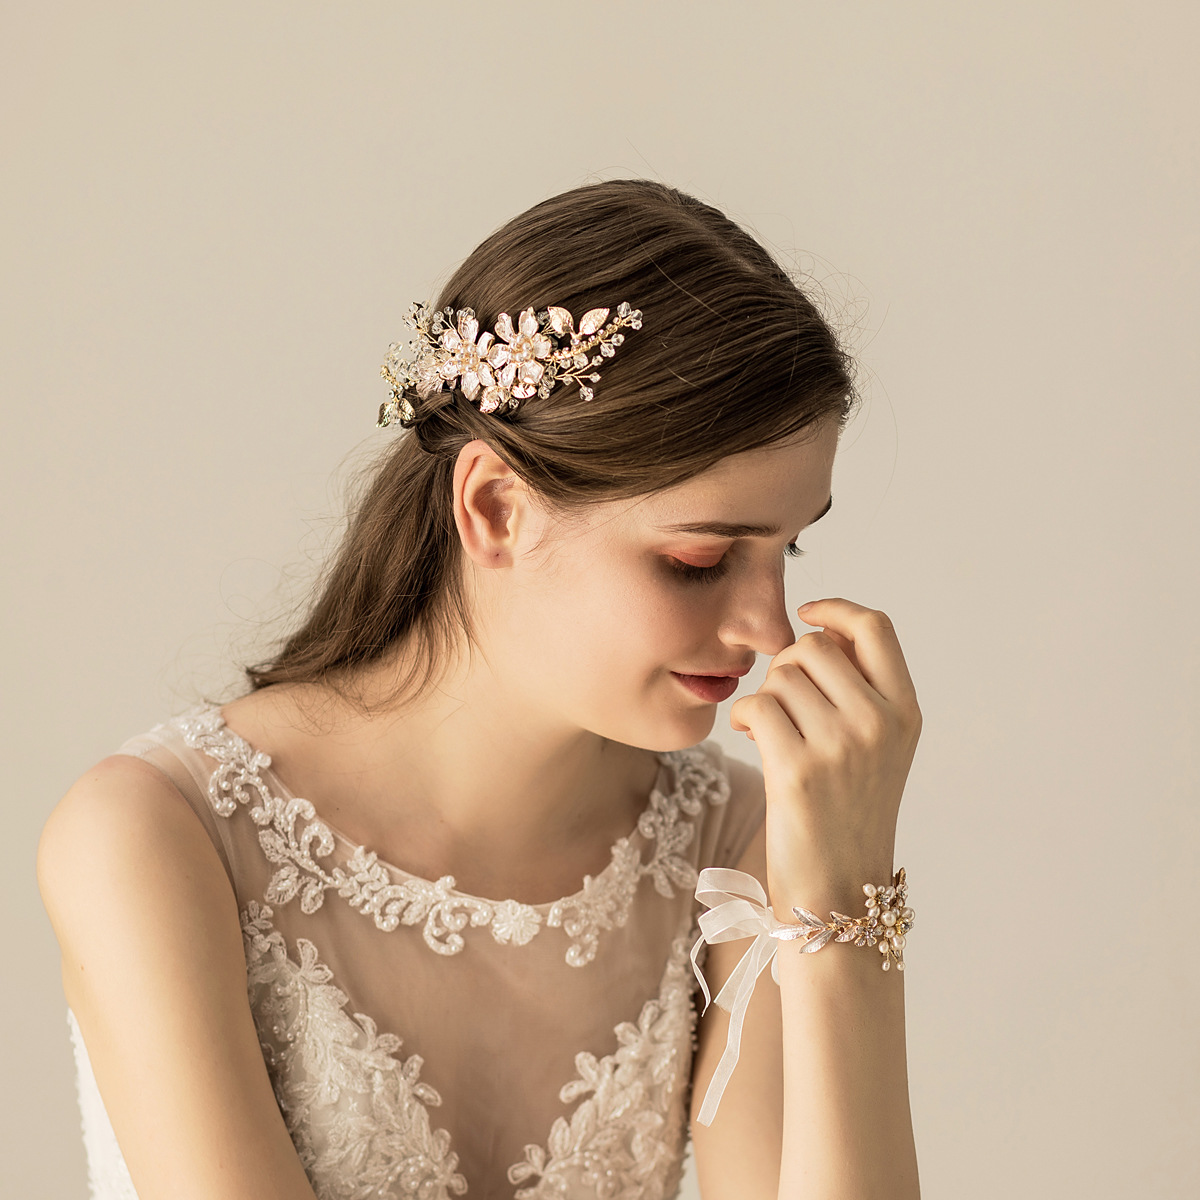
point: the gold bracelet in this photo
(886, 924)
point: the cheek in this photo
(650, 624)
(613, 622)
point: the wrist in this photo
(823, 887)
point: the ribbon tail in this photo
(700, 974)
(751, 966)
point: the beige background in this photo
(214, 217)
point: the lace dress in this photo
(427, 1043)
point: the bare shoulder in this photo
(120, 826)
(153, 969)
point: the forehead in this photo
(784, 484)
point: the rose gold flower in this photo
(465, 358)
(516, 356)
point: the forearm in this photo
(847, 1126)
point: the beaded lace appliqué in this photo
(359, 1115)
(294, 838)
(626, 1140)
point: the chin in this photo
(677, 731)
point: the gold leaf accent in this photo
(592, 320)
(560, 320)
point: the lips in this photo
(710, 688)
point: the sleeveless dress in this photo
(427, 1043)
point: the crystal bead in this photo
(607, 350)
(623, 309)
(585, 393)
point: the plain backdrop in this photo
(214, 217)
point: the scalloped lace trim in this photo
(295, 839)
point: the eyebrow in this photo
(725, 529)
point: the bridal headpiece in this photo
(521, 359)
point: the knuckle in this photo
(873, 726)
(784, 656)
(788, 670)
(756, 702)
(880, 620)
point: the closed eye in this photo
(713, 573)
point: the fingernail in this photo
(804, 606)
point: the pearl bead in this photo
(889, 917)
(870, 889)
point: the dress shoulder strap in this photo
(189, 771)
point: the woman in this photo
(331, 939)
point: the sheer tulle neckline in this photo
(618, 852)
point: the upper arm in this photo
(738, 1155)
(154, 970)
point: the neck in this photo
(472, 780)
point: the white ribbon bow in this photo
(738, 908)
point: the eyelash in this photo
(713, 573)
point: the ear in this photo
(489, 505)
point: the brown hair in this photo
(732, 356)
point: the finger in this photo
(822, 661)
(806, 706)
(771, 728)
(873, 636)
(843, 643)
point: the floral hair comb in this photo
(501, 369)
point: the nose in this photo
(757, 615)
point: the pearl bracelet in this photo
(887, 922)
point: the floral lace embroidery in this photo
(604, 901)
(357, 1113)
(293, 837)
(626, 1140)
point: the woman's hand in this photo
(836, 723)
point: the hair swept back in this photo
(732, 356)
